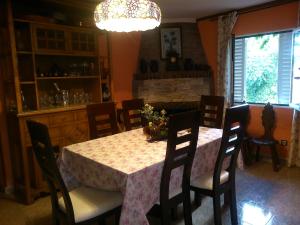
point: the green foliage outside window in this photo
(261, 68)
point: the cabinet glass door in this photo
(296, 69)
(50, 39)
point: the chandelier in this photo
(127, 15)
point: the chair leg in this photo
(217, 210)
(165, 216)
(102, 221)
(227, 198)
(275, 158)
(198, 199)
(56, 221)
(187, 210)
(174, 213)
(233, 209)
(118, 216)
(244, 150)
(257, 153)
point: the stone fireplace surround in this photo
(174, 91)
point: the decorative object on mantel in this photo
(154, 66)
(143, 66)
(188, 64)
(156, 126)
(172, 62)
(127, 15)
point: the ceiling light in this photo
(127, 15)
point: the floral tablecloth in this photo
(128, 163)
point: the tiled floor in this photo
(264, 198)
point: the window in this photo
(263, 68)
(296, 69)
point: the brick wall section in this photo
(178, 89)
(191, 45)
(172, 90)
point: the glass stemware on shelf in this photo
(64, 98)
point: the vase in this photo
(153, 66)
(155, 132)
(143, 66)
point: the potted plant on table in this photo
(156, 123)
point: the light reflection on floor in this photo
(254, 215)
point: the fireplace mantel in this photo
(173, 74)
(179, 86)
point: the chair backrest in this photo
(44, 154)
(102, 119)
(233, 134)
(268, 121)
(211, 108)
(132, 113)
(183, 129)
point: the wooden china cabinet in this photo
(51, 72)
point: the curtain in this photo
(224, 78)
(294, 153)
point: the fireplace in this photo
(174, 91)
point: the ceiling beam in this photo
(249, 9)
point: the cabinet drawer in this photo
(81, 115)
(41, 119)
(61, 118)
(54, 133)
(75, 133)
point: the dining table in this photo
(129, 163)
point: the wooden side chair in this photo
(183, 131)
(102, 119)
(211, 108)
(223, 181)
(131, 113)
(79, 206)
(268, 122)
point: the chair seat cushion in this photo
(206, 181)
(89, 202)
(262, 141)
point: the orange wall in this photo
(208, 30)
(124, 59)
(271, 19)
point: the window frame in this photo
(234, 37)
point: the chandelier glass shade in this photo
(127, 15)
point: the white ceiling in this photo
(189, 10)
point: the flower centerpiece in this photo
(156, 123)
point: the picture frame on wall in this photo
(170, 42)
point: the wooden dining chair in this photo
(102, 119)
(131, 113)
(81, 205)
(268, 122)
(211, 108)
(183, 131)
(223, 179)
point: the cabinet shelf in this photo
(27, 82)
(72, 54)
(24, 52)
(67, 78)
